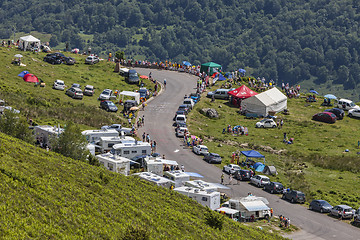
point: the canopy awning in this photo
(193, 174)
(255, 206)
(242, 92)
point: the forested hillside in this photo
(288, 41)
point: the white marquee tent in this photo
(270, 100)
(26, 40)
(135, 95)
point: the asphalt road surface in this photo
(158, 123)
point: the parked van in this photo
(220, 93)
(180, 119)
(346, 104)
(132, 76)
(189, 102)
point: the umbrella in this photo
(330, 96)
(23, 73)
(18, 55)
(186, 63)
(242, 70)
(144, 77)
(134, 108)
(30, 78)
(313, 91)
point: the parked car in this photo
(195, 97)
(231, 168)
(327, 117)
(129, 104)
(243, 174)
(320, 206)
(346, 104)
(184, 108)
(220, 93)
(189, 102)
(59, 85)
(180, 132)
(76, 85)
(357, 216)
(108, 106)
(119, 128)
(294, 196)
(179, 124)
(91, 60)
(89, 90)
(144, 93)
(69, 61)
(52, 59)
(259, 180)
(179, 112)
(354, 113)
(212, 158)
(266, 123)
(274, 187)
(180, 119)
(339, 113)
(200, 150)
(342, 211)
(74, 93)
(106, 94)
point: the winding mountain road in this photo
(158, 123)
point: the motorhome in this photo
(44, 134)
(155, 179)
(202, 185)
(251, 207)
(205, 198)
(131, 149)
(230, 213)
(177, 176)
(114, 163)
(105, 144)
(93, 136)
(157, 165)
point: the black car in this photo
(320, 206)
(108, 106)
(52, 59)
(243, 175)
(184, 108)
(339, 113)
(212, 158)
(274, 187)
(294, 196)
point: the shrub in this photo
(214, 220)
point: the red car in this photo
(327, 117)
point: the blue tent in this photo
(221, 77)
(23, 73)
(313, 91)
(242, 70)
(259, 167)
(252, 154)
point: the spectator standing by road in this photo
(154, 143)
(222, 178)
(281, 123)
(182, 168)
(148, 138)
(143, 136)
(164, 83)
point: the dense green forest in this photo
(288, 41)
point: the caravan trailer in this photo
(157, 165)
(105, 144)
(251, 206)
(131, 149)
(44, 134)
(156, 179)
(115, 163)
(205, 198)
(177, 176)
(93, 136)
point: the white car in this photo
(119, 128)
(59, 85)
(180, 119)
(231, 168)
(106, 94)
(259, 180)
(266, 123)
(91, 60)
(346, 104)
(181, 131)
(200, 150)
(354, 113)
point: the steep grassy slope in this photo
(47, 196)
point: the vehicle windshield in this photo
(333, 115)
(106, 93)
(88, 88)
(111, 104)
(301, 195)
(78, 92)
(133, 75)
(352, 104)
(60, 83)
(348, 210)
(205, 149)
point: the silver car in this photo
(342, 211)
(91, 60)
(74, 92)
(89, 90)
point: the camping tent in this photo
(259, 167)
(136, 95)
(241, 93)
(26, 40)
(252, 154)
(30, 78)
(23, 73)
(209, 68)
(270, 100)
(270, 170)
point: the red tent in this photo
(241, 93)
(30, 78)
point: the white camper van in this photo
(105, 144)
(115, 163)
(132, 149)
(156, 179)
(93, 136)
(251, 206)
(209, 199)
(177, 176)
(44, 134)
(157, 165)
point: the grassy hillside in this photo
(316, 163)
(47, 196)
(49, 106)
